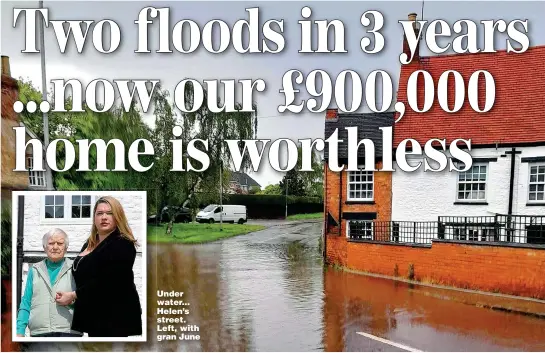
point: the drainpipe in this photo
(340, 200)
(511, 191)
(512, 181)
(326, 215)
(20, 232)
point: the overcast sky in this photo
(173, 67)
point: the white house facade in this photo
(487, 189)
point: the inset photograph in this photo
(79, 265)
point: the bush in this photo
(274, 206)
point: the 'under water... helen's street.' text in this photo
(172, 312)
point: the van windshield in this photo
(209, 208)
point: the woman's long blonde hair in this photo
(120, 220)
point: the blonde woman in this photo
(106, 303)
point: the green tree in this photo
(164, 186)
(295, 183)
(254, 190)
(312, 180)
(89, 125)
(273, 189)
(304, 183)
(192, 188)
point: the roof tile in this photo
(517, 114)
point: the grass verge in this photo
(303, 216)
(190, 233)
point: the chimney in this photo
(332, 114)
(5, 66)
(10, 92)
(406, 48)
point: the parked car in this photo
(229, 214)
(181, 214)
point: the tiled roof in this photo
(243, 179)
(368, 125)
(518, 113)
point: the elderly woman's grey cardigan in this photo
(46, 315)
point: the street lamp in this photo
(45, 118)
(287, 180)
(221, 196)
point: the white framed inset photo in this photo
(79, 266)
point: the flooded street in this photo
(268, 291)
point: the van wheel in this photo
(241, 221)
(211, 220)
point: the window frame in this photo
(361, 221)
(477, 164)
(348, 183)
(67, 219)
(36, 174)
(530, 165)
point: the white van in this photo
(230, 214)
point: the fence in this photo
(499, 228)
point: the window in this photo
(81, 206)
(475, 233)
(359, 230)
(472, 183)
(75, 209)
(35, 178)
(536, 185)
(54, 206)
(360, 186)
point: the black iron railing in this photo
(499, 228)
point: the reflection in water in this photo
(268, 291)
(412, 317)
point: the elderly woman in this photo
(106, 300)
(39, 310)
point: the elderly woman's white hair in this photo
(52, 232)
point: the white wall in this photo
(35, 226)
(423, 196)
(521, 183)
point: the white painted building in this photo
(483, 191)
(72, 212)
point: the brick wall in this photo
(336, 246)
(334, 191)
(509, 270)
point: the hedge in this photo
(274, 206)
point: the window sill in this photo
(481, 203)
(535, 204)
(356, 202)
(490, 243)
(75, 221)
(392, 243)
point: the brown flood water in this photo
(268, 291)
